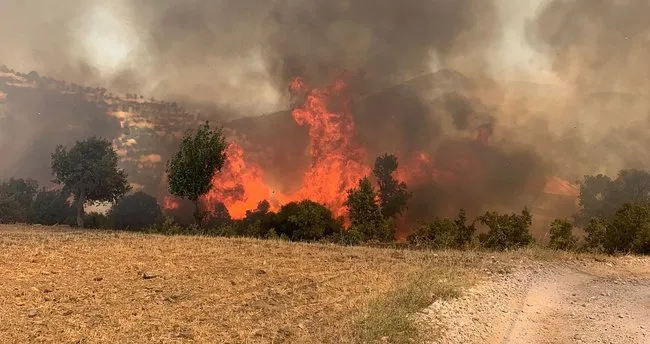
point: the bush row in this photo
(628, 230)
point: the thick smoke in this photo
(236, 53)
(241, 55)
(598, 48)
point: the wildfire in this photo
(337, 162)
(240, 184)
(171, 203)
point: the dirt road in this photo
(572, 302)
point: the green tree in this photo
(593, 199)
(506, 231)
(394, 195)
(365, 213)
(89, 171)
(465, 232)
(629, 223)
(602, 197)
(135, 212)
(596, 230)
(202, 154)
(561, 235)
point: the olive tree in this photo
(89, 171)
(202, 153)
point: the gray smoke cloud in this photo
(237, 53)
(598, 49)
(239, 56)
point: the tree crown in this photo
(90, 169)
(202, 153)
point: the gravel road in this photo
(583, 301)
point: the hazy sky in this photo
(110, 37)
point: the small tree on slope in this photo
(191, 169)
(394, 194)
(365, 213)
(89, 171)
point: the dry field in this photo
(58, 285)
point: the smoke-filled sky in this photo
(237, 53)
(242, 54)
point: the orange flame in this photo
(240, 184)
(337, 162)
(170, 203)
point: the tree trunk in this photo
(197, 213)
(81, 199)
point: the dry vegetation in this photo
(65, 286)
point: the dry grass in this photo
(64, 286)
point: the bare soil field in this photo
(59, 285)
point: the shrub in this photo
(165, 226)
(96, 221)
(136, 211)
(641, 243)
(219, 217)
(16, 197)
(11, 211)
(506, 231)
(444, 233)
(561, 235)
(52, 208)
(349, 237)
(596, 230)
(257, 222)
(628, 230)
(439, 234)
(365, 214)
(305, 221)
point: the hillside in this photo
(440, 115)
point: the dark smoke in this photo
(224, 51)
(241, 55)
(599, 48)
(597, 43)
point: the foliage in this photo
(641, 243)
(165, 225)
(365, 214)
(135, 211)
(601, 197)
(89, 171)
(394, 195)
(347, 237)
(52, 208)
(20, 190)
(561, 235)
(257, 222)
(444, 233)
(306, 221)
(596, 230)
(11, 211)
(191, 169)
(631, 222)
(96, 220)
(506, 231)
(219, 217)
(16, 198)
